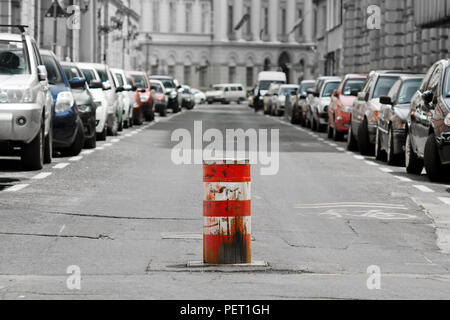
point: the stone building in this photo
(202, 42)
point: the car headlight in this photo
(84, 108)
(173, 94)
(447, 120)
(64, 101)
(17, 96)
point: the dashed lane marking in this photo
(445, 200)
(75, 159)
(386, 170)
(403, 179)
(87, 152)
(16, 188)
(42, 176)
(423, 188)
(61, 166)
(370, 163)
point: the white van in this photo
(266, 78)
(226, 93)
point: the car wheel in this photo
(435, 169)
(380, 155)
(112, 131)
(75, 149)
(330, 131)
(352, 144)
(413, 163)
(48, 151)
(32, 156)
(102, 136)
(120, 125)
(91, 143)
(163, 112)
(364, 145)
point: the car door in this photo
(359, 105)
(424, 114)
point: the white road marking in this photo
(106, 145)
(403, 179)
(42, 175)
(332, 144)
(62, 229)
(386, 170)
(100, 148)
(61, 165)
(340, 149)
(87, 152)
(359, 157)
(423, 188)
(370, 163)
(75, 159)
(16, 188)
(445, 200)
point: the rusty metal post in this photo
(227, 212)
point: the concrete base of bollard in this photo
(254, 266)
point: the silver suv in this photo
(25, 102)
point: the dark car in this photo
(428, 125)
(294, 112)
(366, 109)
(171, 92)
(68, 131)
(85, 102)
(187, 97)
(390, 137)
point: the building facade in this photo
(202, 42)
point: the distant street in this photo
(132, 220)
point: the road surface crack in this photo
(99, 216)
(18, 234)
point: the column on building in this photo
(146, 23)
(197, 16)
(220, 20)
(181, 16)
(291, 18)
(238, 15)
(256, 19)
(165, 16)
(274, 10)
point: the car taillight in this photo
(375, 116)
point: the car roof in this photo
(91, 65)
(307, 81)
(412, 76)
(355, 76)
(329, 78)
(161, 77)
(289, 86)
(10, 36)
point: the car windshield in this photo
(103, 75)
(71, 72)
(89, 75)
(53, 73)
(13, 58)
(304, 88)
(329, 89)
(141, 82)
(288, 91)
(408, 89)
(383, 86)
(265, 84)
(168, 83)
(157, 87)
(352, 85)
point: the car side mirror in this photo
(120, 89)
(386, 100)
(106, 86)
(95, 84)
(302, 97)
(42, 73)
(77, 83)
(134, 88)
(310, 92)
(335, 93)
(362, 96)
(142, 90)
(316, 94)
(275, 94)
(354, 92)
(428, 97)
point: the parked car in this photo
(68, 130)
(25, 115)
(293, 111)
(172, 87)
(279, 102)
(199, 96)
(85, 102)
(313, 94)
(216, 94)
(340, 107)
(265, 79)
(142, 83)
(95, 86)
(270, 96)
(317, 116)
(187, 98)
(366, 109)
(138, 110)
(395, 107)
(159, 97)
(124, 89)
(428, 125)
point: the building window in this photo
(187, 75)
(266, 21)
(248, 11)
(232, 74)
(300, 26)
(230, 19)
(202, 77)
(249, 76)
(334, 14)
(204, 17)
(283, 22)
(154, 69)
(171, 70)
(156, 14)
(188, 18)
(173, 17)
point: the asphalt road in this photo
(131, 220)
